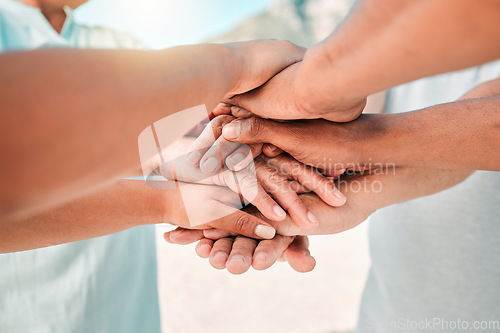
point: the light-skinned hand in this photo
(270, 184)
(237, 254)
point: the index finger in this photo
(228, 109)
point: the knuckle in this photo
(254, 126)
(285, 230)
(248, 181)
(316, 182)
(203, 142)
(296, 202)
(218, 122)
(238, 111)
(275, 178)
(286, 43)
(243, 239)
(242, 222)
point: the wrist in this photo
(382, 140)
(234, 66)
(323, 88)
(160, 205)
(362, 141)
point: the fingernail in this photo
(175, 233)
(236, 159)
(211, 165)
(260, 256)
(264, 231)
(210, 232)
(205, 247)
(338, 194)
(237, 257)
(220, 256)
(312, 218)
(271, 147)
(279, 211)
(193, 157)
(232, 130)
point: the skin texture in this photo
(130, 89)
(381, 44)
(367, 191)
(417, 139)
(297, 92)
(118, 206)
(238, 255)
(265, 184)
(125, 203)
(420, 138)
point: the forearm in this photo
(392, 186)
(119, 206)
(73, 122)
(460, 135)
(370, 192)
(388, 42)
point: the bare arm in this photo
(378, 191)
(461, 135)
(124, 204)
(386, 43)
(116, 207)
(71, 118)
(369, 192)
(382, 43)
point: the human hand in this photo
(259, 60)
(197, 206)
(236, 254)
(365, 197)
(211, 152)
(288, 96)
(363, 190)
(282, 177)
(367, 192)
(325, 145)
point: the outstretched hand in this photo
(237, 254)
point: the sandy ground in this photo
(197, 298)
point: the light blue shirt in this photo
(106, 284)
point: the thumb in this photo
(242, 223)
(258, 130)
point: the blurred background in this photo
(194, 296)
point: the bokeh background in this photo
(195, 297)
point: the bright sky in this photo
(163, 23)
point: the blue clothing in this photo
(105, 284)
